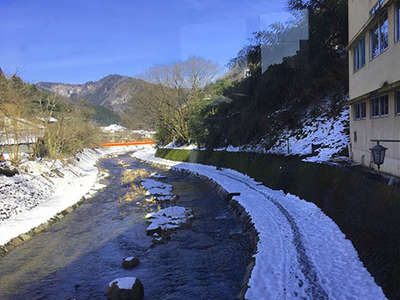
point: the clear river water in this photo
(78, 256)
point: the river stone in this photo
(130, 262)
(69, 210)
(41, 227)
(25, 237)
(126, 288)
(3, 251)
(15, 242)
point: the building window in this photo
(379, 36)
(355, 137)
(363, 110)
(360, 111)
(380, 106)
(398, 23)
(359, 54)
(397, 105)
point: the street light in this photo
(378, 154)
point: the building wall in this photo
(387, 127)
(383, 68)
(358, 15)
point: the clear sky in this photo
(75, 41)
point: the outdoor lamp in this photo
(378, 154)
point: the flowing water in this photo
(76, 257)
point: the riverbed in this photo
(78, 256)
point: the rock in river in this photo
(130, 262)
(126, 288)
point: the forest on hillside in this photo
(54, 126)
(191, 106)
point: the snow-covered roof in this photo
(113, 128)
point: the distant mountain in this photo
(113, 91)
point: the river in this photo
(78, 256)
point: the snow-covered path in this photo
(301, 252)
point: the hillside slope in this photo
(113, 91)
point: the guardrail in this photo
(129, 143)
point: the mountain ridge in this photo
(113, 91)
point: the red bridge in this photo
(129, 143)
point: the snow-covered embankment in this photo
(300, 253)
(327, 134)
(46, 189)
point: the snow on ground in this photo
(168, 218)
(154, 187)
(145, 133)
(300, 253)
(118, 128)
(157, 176)
(44, 189)
(327, 133)
(113, 128)
(174, 145)
(22, 193)
(161, 191)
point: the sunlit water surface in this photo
(76, 257)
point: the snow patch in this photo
(168, 218)
(113, 128)
(328, 134)
(157, 176)
(161, 191)
(124, 283)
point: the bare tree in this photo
(13, 108)
(175, 89)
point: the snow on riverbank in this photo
(301, 252)
(328, 135)
(44, 190)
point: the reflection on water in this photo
(77, 256)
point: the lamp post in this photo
(378, 151)
(378, 154)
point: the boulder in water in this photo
(130, 262)
(126, 288)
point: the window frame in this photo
(397, 23)
(363, 114)
(359, 54)
(384, 97)
(378, 104)
(397, 102)
(360, 111)
(381, 20)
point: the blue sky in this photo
(77, 41)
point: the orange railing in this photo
(129, 143)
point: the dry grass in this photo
(129, 197)
(131, 176)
